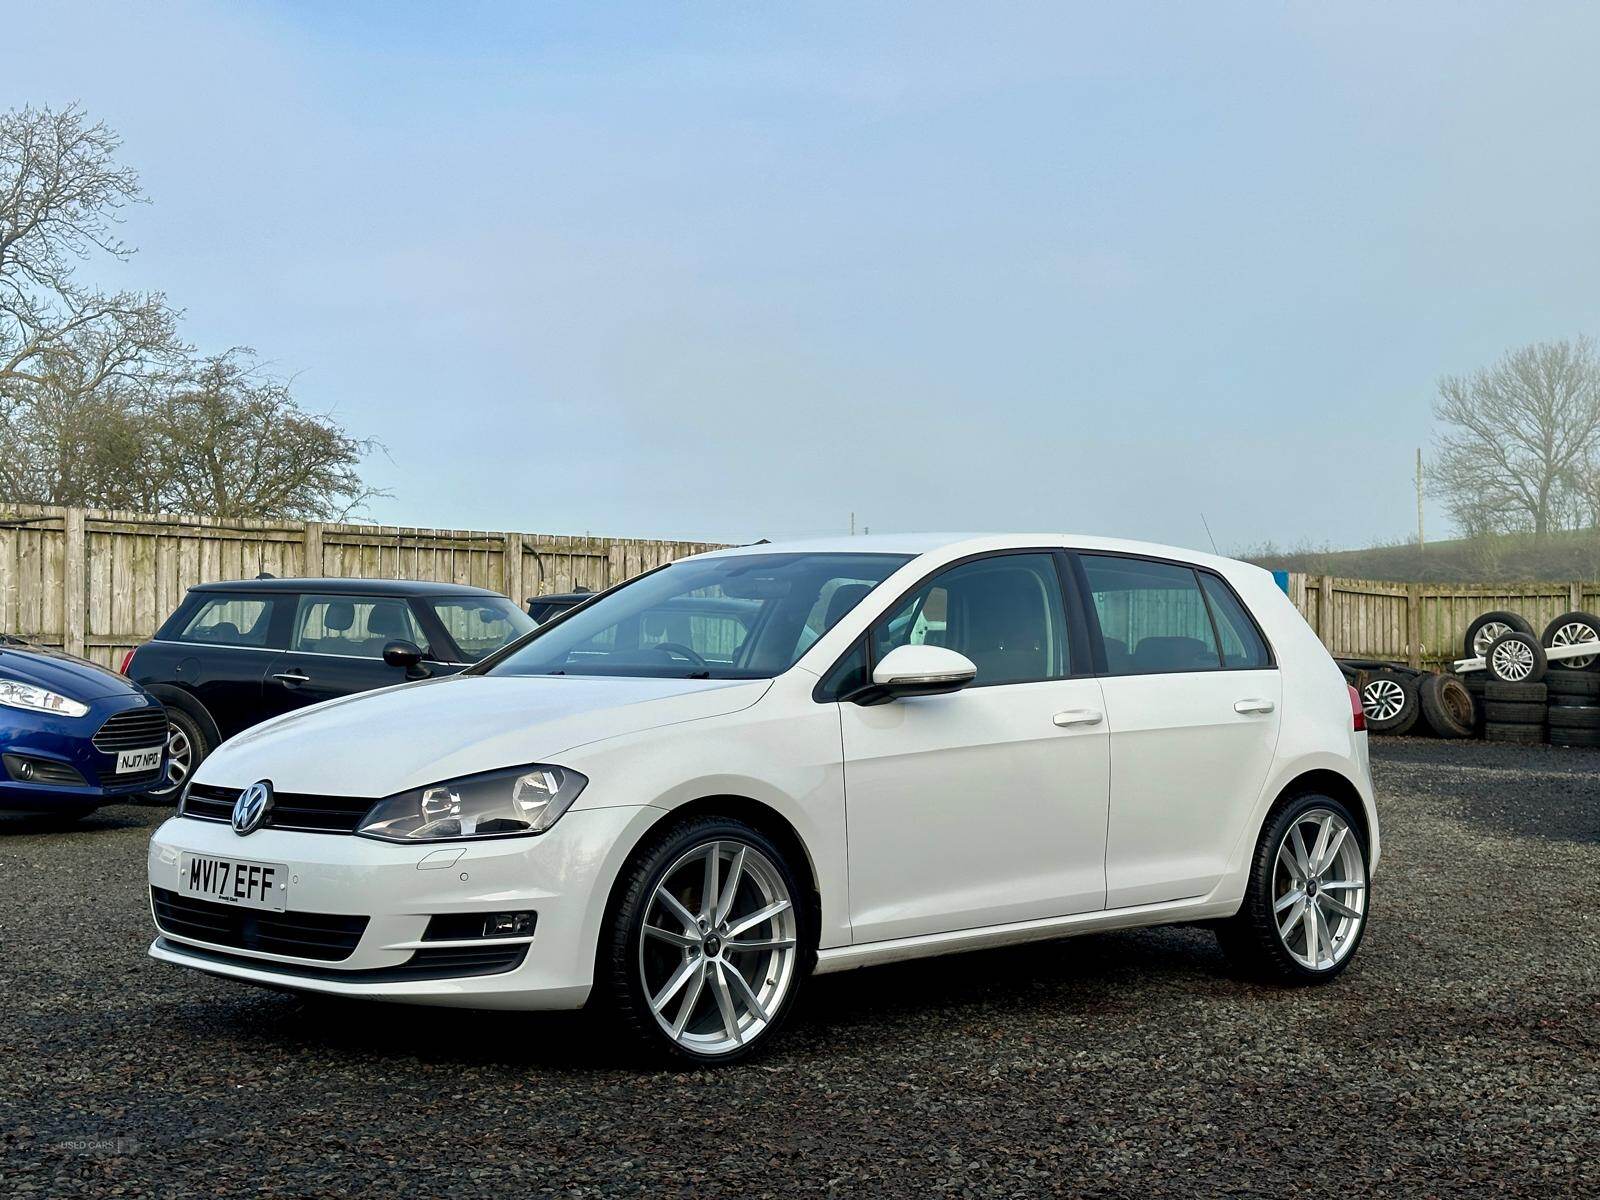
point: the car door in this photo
(987, 805)
(1193, 706)
(336, 649)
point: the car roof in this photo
(346, 587)
(950, 545)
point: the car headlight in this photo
(36, 699)
(514, 803)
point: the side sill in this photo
(1168, 912)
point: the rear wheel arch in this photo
(1324, 782)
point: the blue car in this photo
(73, 736)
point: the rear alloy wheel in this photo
(707, 945)
(1305, 908)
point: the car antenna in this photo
(1207, 524)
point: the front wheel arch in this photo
(741, 808)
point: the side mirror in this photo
(922, 671)
(407, 656)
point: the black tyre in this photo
(1527, 693)
(1574, 716)
(707, 941)
(1511, 712)
(1588, 738)
(1389, 702)
(1516, 658)
(1580, 686)
(1270, 939)
(188, 744)
(1448, 706)
(1485, 629)
(1569, 629)
(1525, 735)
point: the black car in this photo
(235, 654)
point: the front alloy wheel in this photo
(707, 941)
(718, 949)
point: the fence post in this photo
(512, 574)
(74, 588)
(1575, 595)
(313, 538)
(1325, 611)
(1414, 624)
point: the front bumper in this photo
(564, 876)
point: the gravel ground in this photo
(1459, 1056)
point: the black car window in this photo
(1152, 615)
(353, 626)
(480, 625)
(225, 619)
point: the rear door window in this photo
(225, 619)
(1153, 616)
(353, 626)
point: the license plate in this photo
(139, 760)
(234, 881)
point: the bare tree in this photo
(1524, 439)
(232, 442)
(101, 403)
(61, 192)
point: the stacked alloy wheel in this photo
(1526, 693)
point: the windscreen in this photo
(747, 616)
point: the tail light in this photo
(127, 660)
(1358, 715)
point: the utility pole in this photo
(852, 524)
(1421, 544)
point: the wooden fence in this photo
(99, 583)
(1422, 623)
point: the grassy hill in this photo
(1507, 558)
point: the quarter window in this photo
(353, 626)
(1005, 613)
(230, 620)
(1153, 616)
(1242, 646)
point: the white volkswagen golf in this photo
(683, 797)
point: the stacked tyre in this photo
(1528, 698)
(1514, 712)
(1574, 715)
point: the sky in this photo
(736, 271)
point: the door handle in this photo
(293, 678)
(1246, 707)
(1079, 716)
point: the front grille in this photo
(422, 965)
(136, 729)
(290, 810)
(325, 936)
